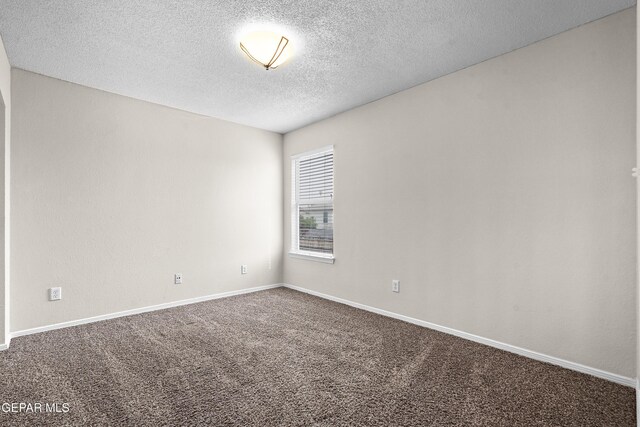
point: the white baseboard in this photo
(136, 311)
(630, 382)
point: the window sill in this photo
(327, 259)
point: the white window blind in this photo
(312, 203)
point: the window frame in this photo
(294, 250)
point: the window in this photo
(312, 205)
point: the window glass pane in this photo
(316, 228)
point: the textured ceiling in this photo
(185, 53)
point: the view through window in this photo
(312, 204)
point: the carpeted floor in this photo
(283, 358)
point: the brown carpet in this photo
(283, 358)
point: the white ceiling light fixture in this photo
(266, 48)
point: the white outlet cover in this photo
(395, 285)
(55, 294)
(243, 269)
(177, 278)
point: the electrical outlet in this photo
(55, 294)
(177, 278)
(243, 269)
(395, 285)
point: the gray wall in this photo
(112, 196)
(5, 107)
(500, 196)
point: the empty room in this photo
(319, 213)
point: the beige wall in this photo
(112, 196)
(500, 196)
(5, 98)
